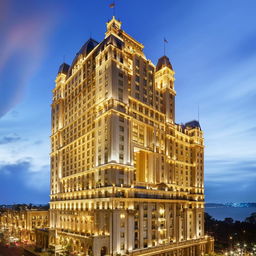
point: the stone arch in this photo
(65, 241)
(82, 246)
(71, 245)
(162, 186)
(90, 252)
(52, 239)
(77, 246)
(103, 251)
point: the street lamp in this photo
(231, 246)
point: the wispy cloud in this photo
(23, 45)
(20, 183)
(229, 170)
(9, 139)
(15, 149)
(230, 180)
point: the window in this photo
(120, 83)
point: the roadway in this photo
(10, 251)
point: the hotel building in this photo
(22, 224)
(125, 178)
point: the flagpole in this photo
(198, 113)
(113, 6)
(114, 9)
(164, 47)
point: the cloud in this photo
(14, 113)
(25, 149)
(9, 139)
(21, 183)
(230, 169)
(249, 132)
(3, 9)
(245, 49)
(230, 180)
(23, 46)
(236, 191)
(38, 142)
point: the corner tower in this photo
(164, 81)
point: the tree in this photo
(251, 219)
(229, 220)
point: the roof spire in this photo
(163, 62)
(113, 26)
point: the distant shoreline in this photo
(237, 213)
(231, 205)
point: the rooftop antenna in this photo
(165, 42)
(113, 6)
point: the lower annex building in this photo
(125, 178)
(21, 224)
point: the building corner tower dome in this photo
(163, 62)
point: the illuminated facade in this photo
(125, 178)
(23, 223)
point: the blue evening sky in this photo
(212, 47)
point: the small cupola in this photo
(64, 67)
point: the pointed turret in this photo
(63, 69)
(62, 74)
(164, 78)
(113, 26)
(163, 62)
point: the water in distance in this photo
(220, 212)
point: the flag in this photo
(112, 5)
(165, 40)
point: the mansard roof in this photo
(112, 39)
(85, 49)
(193, 124)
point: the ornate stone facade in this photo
(22, 224)
(125, 178)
